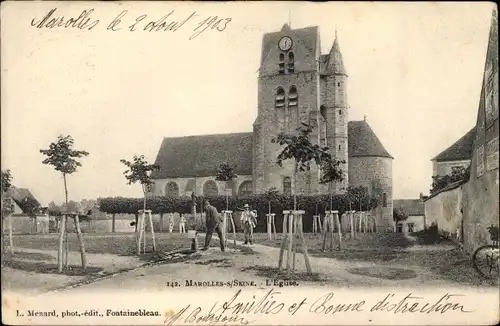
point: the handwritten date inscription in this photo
(144, 22)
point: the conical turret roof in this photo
(335, 61)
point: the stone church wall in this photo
(182, 183)
(373, 173)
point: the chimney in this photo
(421, 196)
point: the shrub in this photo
(163, 204)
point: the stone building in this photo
(296, 84)
(457, 155)
(480, 203)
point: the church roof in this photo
(460, 150)
(362, 141)
(200, 156)
(307, 36)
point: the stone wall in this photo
(444, 209)
(480, 209)
(445, 168)
(480, 203)
(375, 172)
(182, 183)
(23, 224)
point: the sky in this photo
(415, 72)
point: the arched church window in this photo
(210, 189)
(172, 189)
(282, 64)
(245, 189)
(287, 186)
(384, 199)
(280, 98)
(322, 110)
(293, 97)
(291, 62)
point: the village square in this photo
(306, 198)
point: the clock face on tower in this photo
(285, 43)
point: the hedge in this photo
(183, 205)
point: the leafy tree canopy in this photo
(300, 149)
(272, 194)
(457, 174)
(6, 180)
(139, 170)
(62, 156)
(400, 214)
(30, 206)
(225, 172)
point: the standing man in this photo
(213, 222)
(249, 221)
(182, 224)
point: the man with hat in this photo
(249, 222)
(213, 222)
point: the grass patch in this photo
(27, 255)
(45, 268)
(117, 244)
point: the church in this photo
(296, 83)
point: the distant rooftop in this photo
(460, 150)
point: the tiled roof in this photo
(414, 207)
(197, 156)
(460, 150)
(200, 156)
(362, 141)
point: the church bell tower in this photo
(288, 94)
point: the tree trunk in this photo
(80, 240)
(11, 242)
(136, 221)
(161, 222)
(113, 223)
(63, 224)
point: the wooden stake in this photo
(152, 230)
(274, 226)
(339, 231)
(269, 231)
(139, 235)
(294, 248)
(290, 243)
(325, 228)
(80, 241)
(304, 248)
(285, 222)
(61, 243)
(282, 252)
